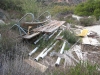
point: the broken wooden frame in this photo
(30, 24)
(51, 27)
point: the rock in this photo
(2, 22)
(92, 34)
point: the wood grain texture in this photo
(50, 27)
(36, 65)
(31, 36)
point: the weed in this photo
(87, 21)
(70, 36)
(13, 52)
(71, 20)
(89, 69)
(61, 9)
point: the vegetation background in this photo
(13, 50)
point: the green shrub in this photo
(61, 9)
(30, 6)
(71, 20)
(87, 21)
(22, 7)
(97, 13)
(88, 8)
(70, 36)
(10, 4)
(81, 69)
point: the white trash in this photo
(77, 17)
(2, 22)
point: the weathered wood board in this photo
(36, 65)
(50, 27)
(31, 36)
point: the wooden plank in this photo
(52, 26)
(44, 27)
(56, 26)
(41, 28)
(31, 36)
(36, 65)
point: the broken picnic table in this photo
(46, 28)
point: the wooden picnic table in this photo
(47, 28)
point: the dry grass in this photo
(13, 52)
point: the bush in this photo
(71, 20)
(61, 9)
(97, 13)
(10, 4)
(87, 21)
(22, 7)
(70, 36)
(79, 69)
(88, 8)
(89, 69)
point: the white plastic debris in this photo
(69, 53)
(45, 53)
(82, 56)
(2, 22)
(39, 39)
(37, 58)
(91, 41)
(33, 51)
(77, 17)
(85, 40)
(95, 28)
(61, 52)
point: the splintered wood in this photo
(36, 65)
(50, 27)
(54, 27)
(47, 28)
(30, 36)
(44, 27)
